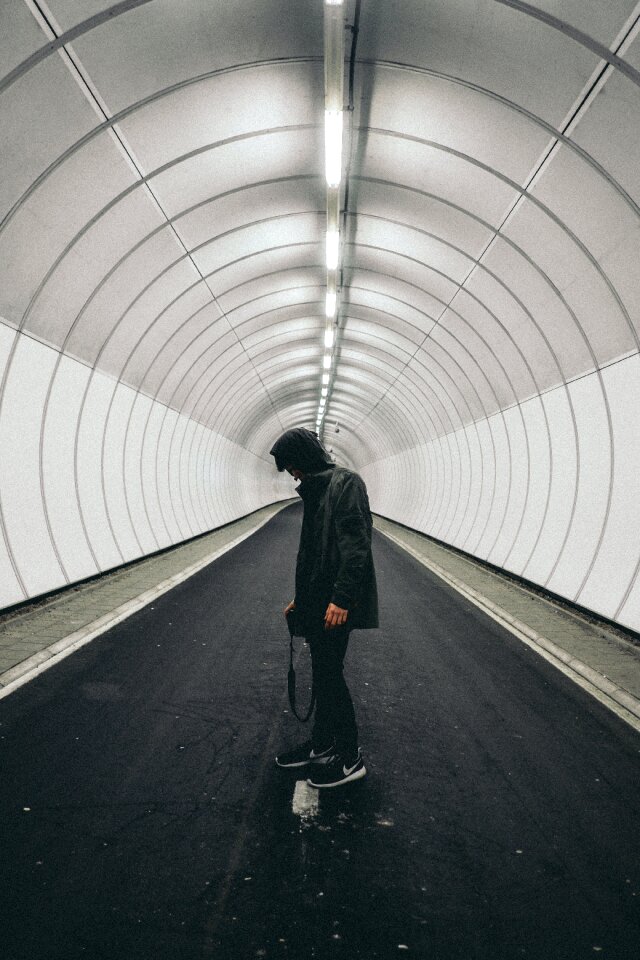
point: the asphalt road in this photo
(142, 817)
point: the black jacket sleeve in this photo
(352, 527)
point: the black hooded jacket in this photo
(335, 563)
(300, 448)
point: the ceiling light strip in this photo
(333, 136)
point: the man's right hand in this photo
(290, 606)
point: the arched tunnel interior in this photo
(164, 278)
(170, 303)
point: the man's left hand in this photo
(334, 617)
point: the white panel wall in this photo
(548, 489)
(94, 474)
(58, 473)
(24, 516)
(134, 474)
(167, 278)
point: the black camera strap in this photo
(291, 684)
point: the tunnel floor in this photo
(142, 815)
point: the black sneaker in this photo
(336, 772)
(303, 756)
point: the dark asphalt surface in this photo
(500, 818)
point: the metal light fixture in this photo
(333, 146)
(333, 124)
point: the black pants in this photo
(334, 717)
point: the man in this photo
(335, 594)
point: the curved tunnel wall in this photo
(535, 490)
(162, 277)
(95, 474)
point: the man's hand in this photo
(289, 607)
(334, 617)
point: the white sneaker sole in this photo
(315, 762)
(356, 775)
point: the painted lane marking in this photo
(306, 800)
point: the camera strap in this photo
(291, 685)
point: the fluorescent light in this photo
(325, 378)
(325, 391)
(333, 146)
(333, 248)
(331, 304)
(333, 3)
(326, 362)
(328, 338)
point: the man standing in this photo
(335, 594)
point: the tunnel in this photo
(413, 229)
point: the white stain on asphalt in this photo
(306, 800)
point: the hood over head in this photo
(301, 449)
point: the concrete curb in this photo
(27, 669)
(620, 701)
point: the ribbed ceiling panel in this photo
(163, 277)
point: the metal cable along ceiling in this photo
(164, 282)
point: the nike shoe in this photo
(336, 772)
(304, 756)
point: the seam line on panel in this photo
(589, 93)
(3, 524)
(91, 23)
(514, 107)
(67, 37)
(580, 105)
(533, 378)
(128, 111)
(87, 87)
(584, 39)
(585, 339)
(89, 224)
(543, 393)
(94, 97)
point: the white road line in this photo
(306, 800)
(16, 676)
(615, 698)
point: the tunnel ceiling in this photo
(162, 253)
(163, 167)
